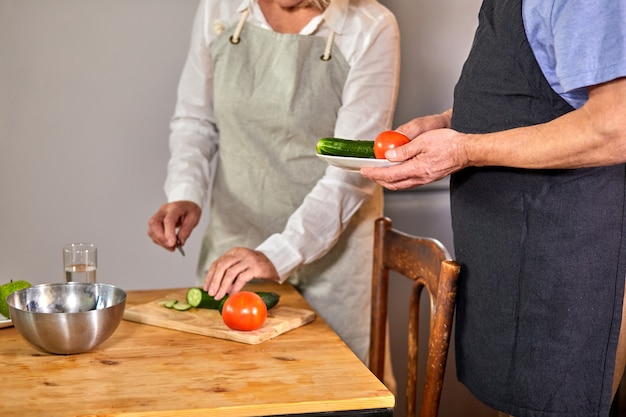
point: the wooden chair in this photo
(427, 262)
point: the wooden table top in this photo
(145, 371)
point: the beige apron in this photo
(274, 98)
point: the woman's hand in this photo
(231, 271)
(181, 215)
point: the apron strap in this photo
(329, 45)
(235, 38)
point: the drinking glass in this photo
(79, 262)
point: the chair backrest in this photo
(427, 262)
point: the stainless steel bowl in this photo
(67, 318)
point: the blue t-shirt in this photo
(577, 43)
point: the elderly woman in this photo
(263, 81)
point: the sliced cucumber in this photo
(168, 303)
(197, 297)
(182, 306)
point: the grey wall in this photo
(87, 88)
(436, 36)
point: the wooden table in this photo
(145, 371)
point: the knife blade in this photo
(179, 246)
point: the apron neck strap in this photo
(329, 45)
(235, 38)
(244, 16)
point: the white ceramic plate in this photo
(4, 322)
(355, 164)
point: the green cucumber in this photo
(346, 147)
(222, 301)
(197, 297)
(270, 298)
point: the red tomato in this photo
(244, 310)
(386, 140)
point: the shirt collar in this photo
(335, 14)
(244, 5)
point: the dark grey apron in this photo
(540, 297)
(274, 99)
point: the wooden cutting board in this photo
(280, 319)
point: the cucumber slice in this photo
(182, 306)
(168, 303)
(194, 297)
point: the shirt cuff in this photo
(186, 193)
(284, 257)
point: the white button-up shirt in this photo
(368, 37)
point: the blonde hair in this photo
(320, 4)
